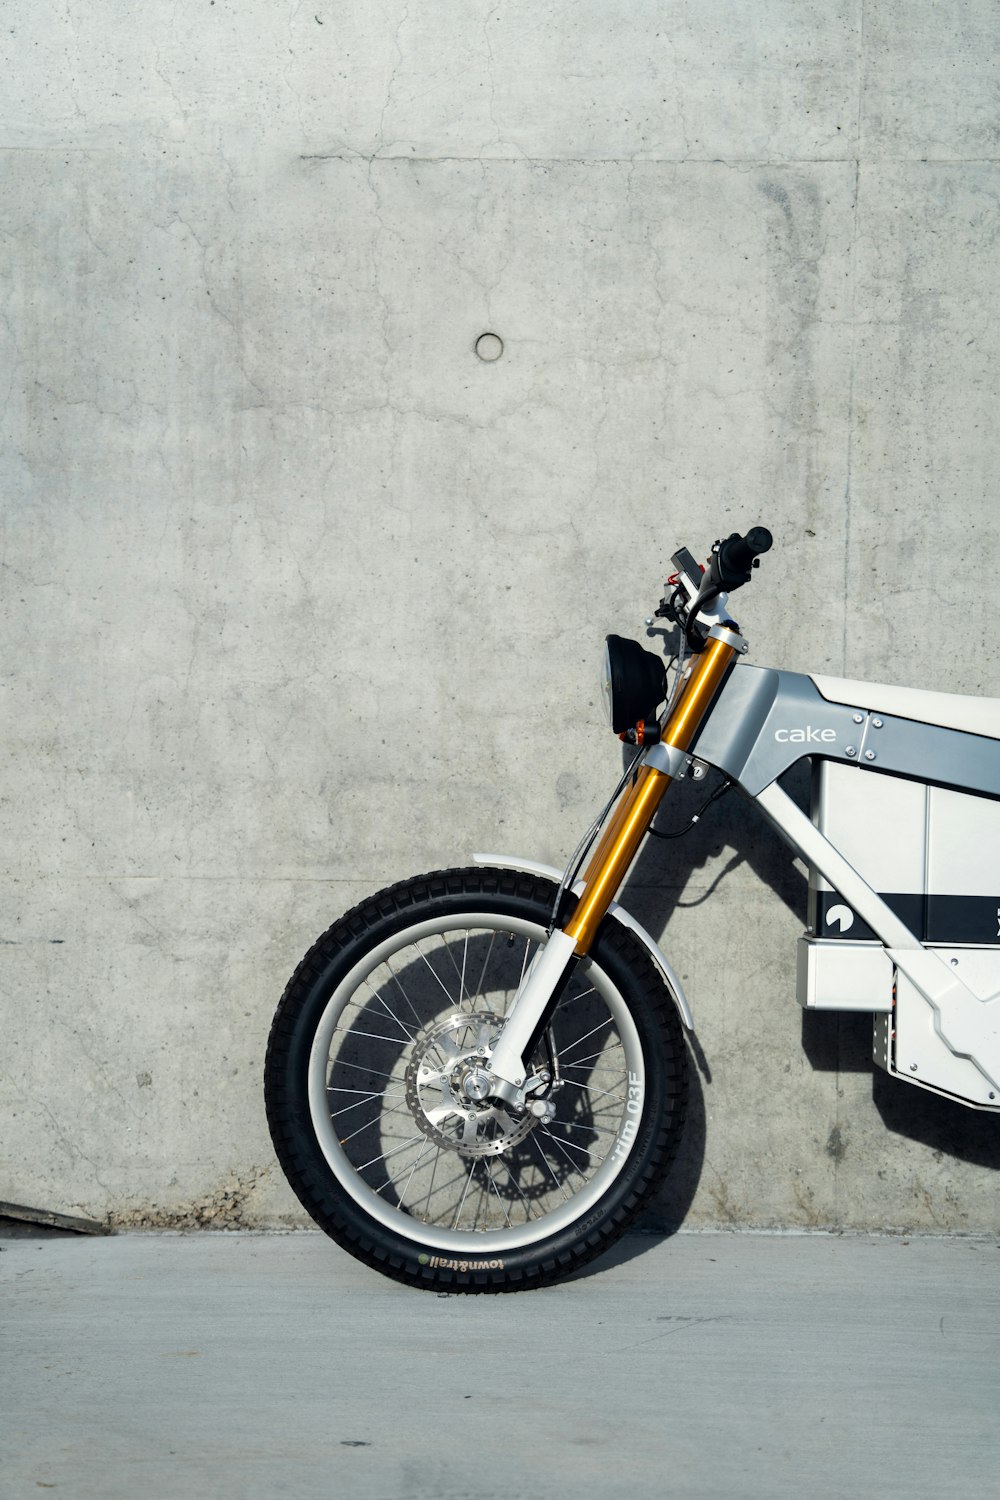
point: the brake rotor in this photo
(446, 1084)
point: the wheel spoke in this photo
(596, 1093)
(402, 990)
(547, 1165)
(369, 1123)
(437, 976)
(581, 1039)
(582, 1062)
(562, 1144)
(377, 994)
(580, 995)
(430, 1188)
(384, 1155)
(587, 1129)
(409, 1176)
(378, 1094)
(465, 960)
(524, 970)
(376, 1036)
(459, 969)
(362, 1068)
(503, 1210)
(517, 1188)
(336, 1114)
(468, 1183)
(480, 987)
(444, 1190)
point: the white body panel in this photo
(920, 1053)
(878, 823)
(950, 710)
(843, 976)
(963, 845)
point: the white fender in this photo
(535, 867)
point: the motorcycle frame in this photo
(758, 731)
(753, 724)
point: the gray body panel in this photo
(764, 721)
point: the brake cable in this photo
(720, 791)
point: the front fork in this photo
(608, 866)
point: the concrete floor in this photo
(707, 1365)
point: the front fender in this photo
(535, 867)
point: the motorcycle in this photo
(477, 1079)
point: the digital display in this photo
(685, 564)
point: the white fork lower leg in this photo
(507, 1060)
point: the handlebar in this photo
(733, 559)
(729, 567)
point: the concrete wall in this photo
(300, 596)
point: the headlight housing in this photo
(634, 683)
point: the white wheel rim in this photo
(474, 1244)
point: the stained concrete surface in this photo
(300, 597)
(706, 1365)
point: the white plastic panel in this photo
(923, 1057)
(963, 845)
(877, 822)
(839, 975)
(950, 710)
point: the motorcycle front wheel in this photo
(375, 1086)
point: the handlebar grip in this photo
(736, 555)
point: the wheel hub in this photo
(472, 1081)
(447, 1088)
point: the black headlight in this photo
(635, 683)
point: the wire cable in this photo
(720, 791)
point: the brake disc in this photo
(447, 1083)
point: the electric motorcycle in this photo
(477, 1078)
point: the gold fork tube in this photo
(614, 855)
(619, 843)
(694, 703)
